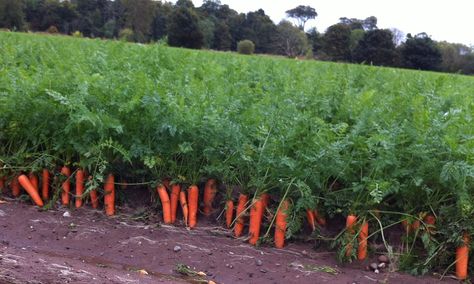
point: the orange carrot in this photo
(45, 184)
(229, 212)
(209, 195)
(66, 186)
(319, 218)
(34, 180)
(363, 235)
(462, 258)
(109, 197)
(94, 199)
(350, 222)
(79, 187)
(265, 199)
(239, 226)
(193, 203)
(311, 219)
(184, 206)
(430, 220)
(165, 203)
(16, 190)
(30, 189)
(256, 216)
(280, 224)
(174, 198)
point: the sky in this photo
(452, 20)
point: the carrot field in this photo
(276, 145)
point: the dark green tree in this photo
(222, 37)
(376, 47)
(420, 52)
(302, 14)
(12, 14)
(291, 40)
(183, 29)
(336, 42)
(139, 17)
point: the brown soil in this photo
(88, 247)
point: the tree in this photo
(455, 56)
(315, 40)
(302, 14)
(222, 37)
(12, 15)
(420, 52)
(398, 36)
(259, 28)
(336, 42)
(291, 41)
(376, 47)
(139, 17)
(368, 24)
(184, 29)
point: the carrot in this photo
(109, 197)
(350, 222)
(311, 219)
(462, 258)
(363, 235)
(210, 191)
(184, 206)
(124, 184)
(175, 190)
(66, 186)
(280, 224)
(165, 203)
(79, 187)
(45, 184)
(16, 190)
(256, 216)
(229, 212)
(239, 226)
(30, 189)
(193, 202)
(265, 199)
(430, 220)
(34, 180)
(319, 218)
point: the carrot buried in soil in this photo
(363, 235)
(350, 222)
(229, 212)
(280, 224)
(174, 198)
(166, 182)
(193, 203)
(66, 186)
(319, 218)
(209, 195)
(184, 206)
(45, 184)
(311, 219)
(239, 226)
(430, 221)
(256, 216)
(34, 180)
(165, 203)
(3, 188)
(462, 258)
(30, 189)
(79, 187)
(16, 190)
(109, 197)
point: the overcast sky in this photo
(452, 20)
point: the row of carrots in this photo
(172, 194)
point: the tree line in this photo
(219, 27)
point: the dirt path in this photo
(88, 247)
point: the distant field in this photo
(345, 139)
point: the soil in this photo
(88, 247)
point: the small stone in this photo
(376, 271)
(29, 237)
(304, 252)
(209, 253)
(67, 214)
(382, 265)
(177, 248)
(229, 266)
(373, 266)
(277, 264)
(259, 262)
(383, 258)
(263, 270)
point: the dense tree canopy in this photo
(217, 26)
